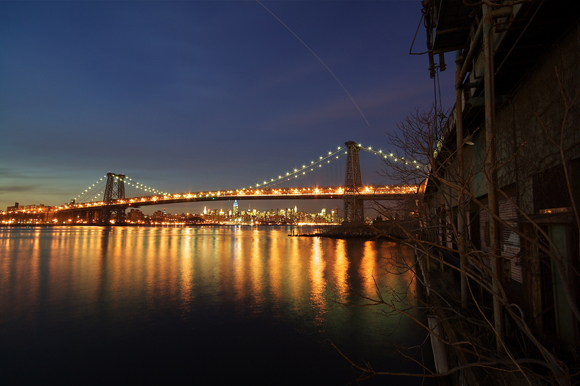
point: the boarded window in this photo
(474, 229)
(550, 189)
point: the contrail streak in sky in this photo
(320, 60)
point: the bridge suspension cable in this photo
(94, 192)
(87, 194)
(139, 185)
(312, 166)
(332, 156)
(391, 157)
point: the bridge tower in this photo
(114, 190)
(353, 205)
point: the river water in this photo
(204, 305)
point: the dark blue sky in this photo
(196, 95)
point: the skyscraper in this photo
(235, 207)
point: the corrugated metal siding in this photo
(510, 241)
(484, 235)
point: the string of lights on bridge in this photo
(98, 186)
(392, 157)
(332, 156)
(139, 185)
(322, 160)
(87, 194)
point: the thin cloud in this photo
(321, 61)
(18, 188)
(339, 109)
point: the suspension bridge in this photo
(110, 202)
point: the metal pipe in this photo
(461, 220)
(475, 43)
(491, 172)
(467, 61)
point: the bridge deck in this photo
(392, 192)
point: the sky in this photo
(199, 95)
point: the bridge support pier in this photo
(114, 190)
(353, 205)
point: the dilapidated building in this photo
(504, 176)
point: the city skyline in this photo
(231, 215)
(191, 96)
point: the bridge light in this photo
(320, 157)
(338, 148)
(329, 153)
(295, 170)
(370, 148)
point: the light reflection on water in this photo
(76, 294)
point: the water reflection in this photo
(260, 267)
(317, 280)
(341, 271)
(368, 268)
(256, 268)
(130, 280)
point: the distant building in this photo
(158, 216)
(135, 215)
